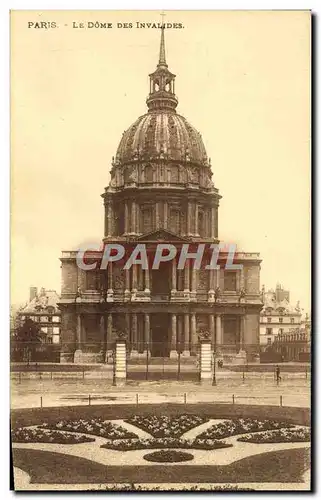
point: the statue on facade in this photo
(78, 294)
(204, 335)
(217, 294)
(242, 295)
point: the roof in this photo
(270, 302)
(45, 299)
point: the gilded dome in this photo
(161, 133)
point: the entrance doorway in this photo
(160, 285)
(160, 339)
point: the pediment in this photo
(162, 235)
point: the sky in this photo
(242, 80)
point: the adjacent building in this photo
(162, 189)
(295, 345)
(43, 309)
(278, 316)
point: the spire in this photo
(162, 56)
(162, 83)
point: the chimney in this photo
(32, 292)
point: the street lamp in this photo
(214, 370)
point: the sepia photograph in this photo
(160, 309)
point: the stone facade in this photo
(161, 190)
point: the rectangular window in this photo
(269, 320)
(269, 341)
(230, 281)
(280, 320)
(292, 321)
(269, 331)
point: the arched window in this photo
(174, 174)
(148, 173)
(175, 221)
(201, 223)
(147, 225)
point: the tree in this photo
(27, 336)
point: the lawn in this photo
(51, 468)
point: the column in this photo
(212, 329)
(242, 282)
(186, 339)
(126, 218)
(133, 217)
(193, 285)
(180, 336)
(217, 275)
(127, 284)
(213, 223)
(174, 277)
(196, 218)
(211, 291)
(165, 214)
(216, 222)
(189, 218)
(109, 338)
(193, 335)
(134, 278)
(147, 331)
(137, 218)
(186, 278)
(102, 333)
(147, 281)
(110, 292)
(79, 326)
(108, 220)
(157, 207)
(134, 331)
(173, 352)
(218, 333)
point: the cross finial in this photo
(162, 57)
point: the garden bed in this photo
(168, 456)
(97, 427)
(165, 426)
(36, 435)
(278, 436)
(241, 426)
(168, 442)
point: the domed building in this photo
(161, 190)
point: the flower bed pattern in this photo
(168, 442)
(278, 436)
(164, 426)
(168, 456)
(96, 427)
(36, 435)
(241, 426)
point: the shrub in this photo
(240, 426)
(164, 426)
(278, 436)
(36, 435)
(168, 456)
(142, 444)
(96, 427)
